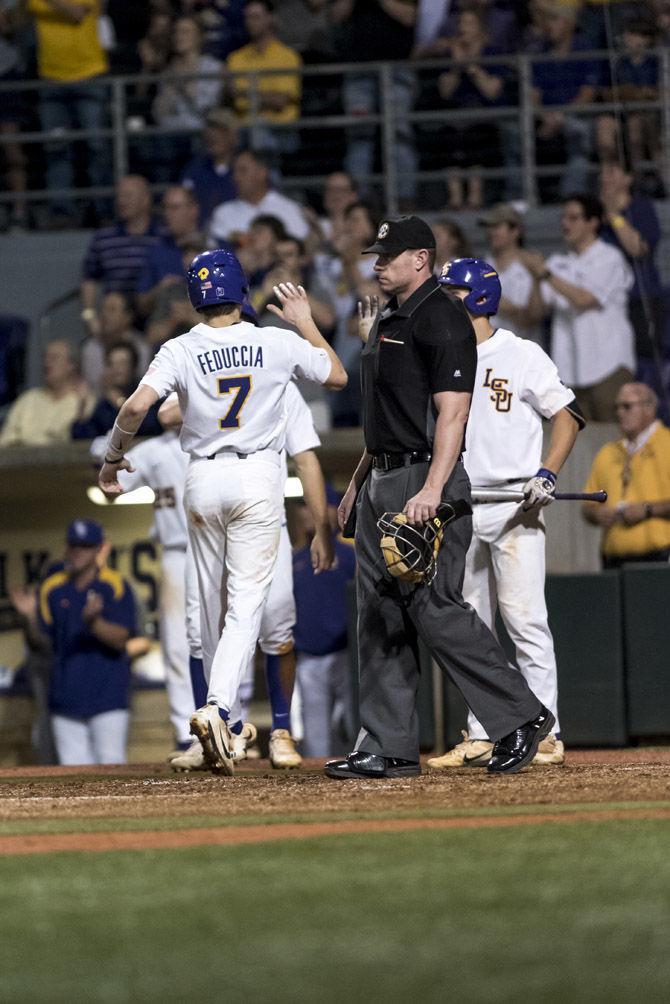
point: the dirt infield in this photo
(304, 803)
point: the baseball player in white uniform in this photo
(230, 378)
(517, 386)
(161, 464)
(278, 620)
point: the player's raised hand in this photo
(24, 601)
(295, 306)
(108, 476)
(367, 311)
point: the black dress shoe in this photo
(514, 751)
(360, 764)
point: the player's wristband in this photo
(617, 221)
(119, 441)
(544, 472)
(648, 510)
(108, 460)
(546, 275)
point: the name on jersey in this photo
(501, 397)
(230, 357)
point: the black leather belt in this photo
(389, 461)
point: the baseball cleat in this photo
(239, 743)
(188, 759)
(283, 754)
(518, 749)
(550, 751)
(469, 753)
(215, 738)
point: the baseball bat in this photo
(516, 495)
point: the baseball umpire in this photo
(418, 371)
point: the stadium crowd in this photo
(214, 177)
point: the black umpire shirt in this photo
(426, 346)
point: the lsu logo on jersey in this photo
(501, 397)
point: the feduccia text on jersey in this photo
(230, 357)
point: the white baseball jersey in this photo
(516, 385)
(589, 345)
(231, 384)
(300, 432)
(161, 464)
(517, 284)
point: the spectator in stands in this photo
(631, 223)
(209, 175)
(231, 221)
(172, 312)
(563, 137)
(119, 380)
(368, 31)
(634, 77)
(304, 26)
(164, 259)
(130, 23)
(291, 265)
(43, 415)
(450, 242)
(70, 56)
(14, 335)
(587, 291)
(11, 117)
(182, 101)
(222, 22)
(116, 255)
(85, 613)
(323, 668)
(348, 273)
(116, 325)
(339, 192)
(635, 473)
(277, 98)
(258, 256)
(468, 84)
(520, 307)
(499, 25)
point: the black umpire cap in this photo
(399, 235)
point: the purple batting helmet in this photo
(480, 278)
(216, 277)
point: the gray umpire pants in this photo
(393, 615)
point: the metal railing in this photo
(387, 122)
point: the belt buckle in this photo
(382, 462)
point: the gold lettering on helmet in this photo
(203, 273)
(501, 397)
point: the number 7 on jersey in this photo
(241, 384)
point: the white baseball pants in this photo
(505, 569)
(173, 641)
(325, 688)
(233, 507)
(99, 739)
(277, 622)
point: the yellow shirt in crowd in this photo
(277, 56)
(37, 418)
(67, 50)
(642, 477)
